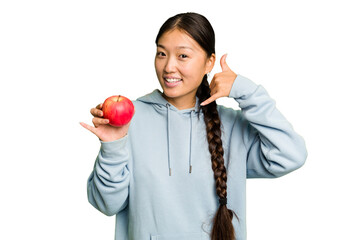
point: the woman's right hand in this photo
(102, 129)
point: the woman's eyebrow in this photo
(161, 46)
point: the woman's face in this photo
(180, 59)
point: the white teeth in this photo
(172, 79)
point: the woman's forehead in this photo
(178, 40)
(177, 47)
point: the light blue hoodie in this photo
(158, 179)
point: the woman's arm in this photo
(274, 148)
(108, 183)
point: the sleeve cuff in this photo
(242, 87)
(110, 147)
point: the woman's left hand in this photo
(221, 83)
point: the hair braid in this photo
(222, 222)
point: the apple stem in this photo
(118, 98)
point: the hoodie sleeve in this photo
(108, 183)
(274, 148)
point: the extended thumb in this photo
(223, 63)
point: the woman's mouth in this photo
(172, 82)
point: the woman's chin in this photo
(169, 94)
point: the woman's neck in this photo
(184, 102)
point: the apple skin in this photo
(118, 109)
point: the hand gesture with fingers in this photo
(221, 83)
(102, 129)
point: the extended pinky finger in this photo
(88, 127)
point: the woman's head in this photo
(185, 50)
(195, 31)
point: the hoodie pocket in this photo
(179, 236)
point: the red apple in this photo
(118, 109)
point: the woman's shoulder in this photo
(228, 113)
(229, 118)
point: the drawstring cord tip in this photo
(169, 171)
(190, 168)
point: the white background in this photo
(58, 59)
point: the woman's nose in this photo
(170, 65)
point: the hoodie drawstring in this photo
(168, 138)
(190, 166)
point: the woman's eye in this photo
(162, 54)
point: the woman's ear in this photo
(210, 62)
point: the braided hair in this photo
(200, 29)
(222, 223)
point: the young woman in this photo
(179, 170)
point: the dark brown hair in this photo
(200, 29)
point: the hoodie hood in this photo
(156, 99)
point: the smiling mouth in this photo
(172, 80)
